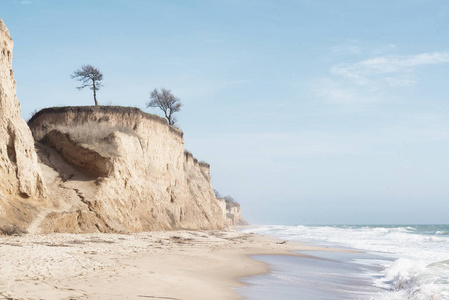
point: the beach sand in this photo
(149, 265)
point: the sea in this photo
(388, 262)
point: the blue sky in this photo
(309, 112)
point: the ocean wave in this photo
(418, 264)
(442, 232)
(415, 280)
(405, 241)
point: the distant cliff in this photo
(234, 215)
(231, 212)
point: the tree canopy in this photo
(89, 76)
(168, 103)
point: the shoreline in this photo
(149, 265)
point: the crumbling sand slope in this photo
(21, 184)
(129, 172)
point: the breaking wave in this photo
(418, 255)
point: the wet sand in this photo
(328, 276)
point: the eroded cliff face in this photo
(128, 169)
(21, 183)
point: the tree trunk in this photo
(95, 93)
(167, 117)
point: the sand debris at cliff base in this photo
(171, 264)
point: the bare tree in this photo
(229, 199)
(168, 103)
(90, 77)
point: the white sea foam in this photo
(418, 264)
(410, 279)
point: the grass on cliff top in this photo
(105, 109)
(202, 163)
(94, 135)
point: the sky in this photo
(309, 111)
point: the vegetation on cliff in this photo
(233, 210)
(165, 101)
(90, 77)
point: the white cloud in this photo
(387, 64)
(373, 80)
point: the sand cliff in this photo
(97, 169)
(234, 215)
(129, 170)
(21, 185)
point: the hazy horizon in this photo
(309, 112)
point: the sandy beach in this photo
(150, 265)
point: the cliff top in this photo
(101, 108)
(124, 110)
